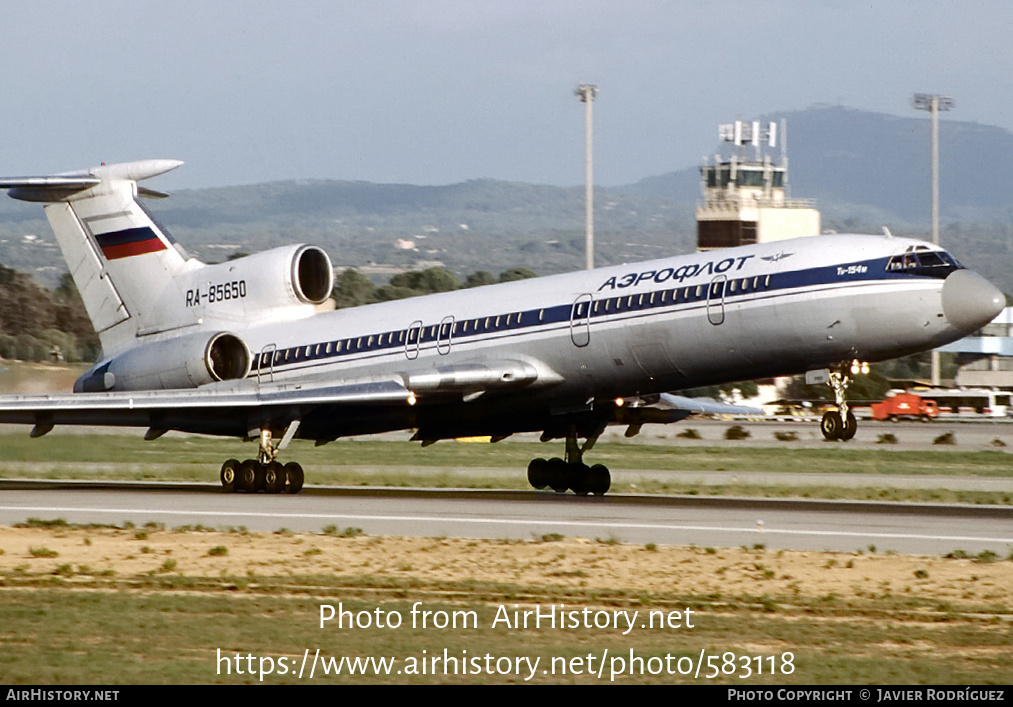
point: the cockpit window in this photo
(923, 262)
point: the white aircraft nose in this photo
(970, 301)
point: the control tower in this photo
(746, 200)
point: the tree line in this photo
(40, 324)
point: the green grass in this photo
(178, 454)
(67, 636)
(450, 464)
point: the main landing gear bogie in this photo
(571, 473)
(265, 473)
(562, 476)
(252, 476)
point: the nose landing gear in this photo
(841, 424)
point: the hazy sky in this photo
(435, 92)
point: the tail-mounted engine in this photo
(181, 362)
(260, 286)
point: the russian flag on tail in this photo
(128, 242)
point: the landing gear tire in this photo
(834, 428)
(294, 476)
(246, 480)
(228, 475)
(599, 479)
(536, 473)
(274, 477)
(831, 425)
(259, 477)
(580, 481)
(558, 475)
(850, 427)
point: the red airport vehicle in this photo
(905, 406)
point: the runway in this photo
(778, 524)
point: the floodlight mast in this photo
(934, 103)
(586, 93)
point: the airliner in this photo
(247, 348)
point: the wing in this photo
(209, 410)
(324, 410)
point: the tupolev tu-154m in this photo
(242, 348)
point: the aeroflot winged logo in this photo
(128, 242)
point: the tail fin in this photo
(121, 260)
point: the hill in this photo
(852, 160)
(867, 170)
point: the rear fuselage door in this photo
(265, 364)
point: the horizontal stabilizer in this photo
(59, 187)
(47, 189)
(79, 182)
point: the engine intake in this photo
(182, 362)
(227, 357)
(312, 275)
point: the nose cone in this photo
(970, 301)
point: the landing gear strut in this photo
(840, 424)
(571, 473)
(264, 473)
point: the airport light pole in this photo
(586, 93)
(933, 103)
